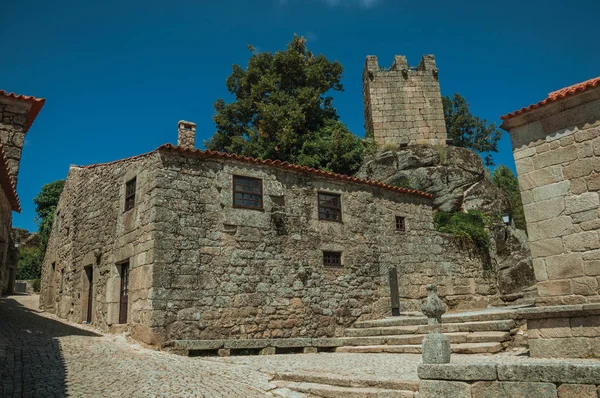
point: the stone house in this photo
(180, 243)
(17, 113)
(556, 146)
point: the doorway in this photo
(89, 273)
(124, 292)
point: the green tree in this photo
(504, 178)
(282, 111)
(45, 207)
(30, 263)
(469, 131)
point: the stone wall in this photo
(5, 242)
(403, 105)
(224, 272)
(557, 154)
(13, 127)
(513, 378)
(91, 229)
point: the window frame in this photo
(319, 206)
(234, 191)
(129, 195)
(329, 253)
(403, 226)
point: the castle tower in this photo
(403, 105)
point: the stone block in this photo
(578, 186)
(508, 389)
(541, 177)
(539, 268)
(458, 372)
(585, 286)
(556, 227)
(593, 182)
(444, 389)
(551, 372)
(564, 266)
(549, 328)
(436, 348)
(586, 326)
(524, 166)
(546, 248)
(573, 347)
(310, 350)
(583, 241)
(557, 156)
(224, 352)
(583, 202)
(544, 209)
(268, 351)
(545, 192)
(578, 168)
(554, 287)
(577, 391)
(591, 267)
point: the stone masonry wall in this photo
(13, 120)
(92, 229)
(225, 272)
(5, 227)
(558, 162)
(403, 105)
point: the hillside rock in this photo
(454, 175)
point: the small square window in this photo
(247, 192)
(332, 259)
(330, 207)
(400, 224)
(130, 195)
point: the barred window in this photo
(330, 207)
(332, 259)
(400, 224)
(130, 194)
(247, 192)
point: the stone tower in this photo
(403, 105)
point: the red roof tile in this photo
(288, 166)
(556, 95)
(7, 183)
(36, 105)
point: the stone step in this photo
(407, 339)
(348, 381)
(492, 314)
(477, 326)
(329, 391)
(462, 348)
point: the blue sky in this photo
(118, 75)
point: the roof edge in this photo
(7, 183)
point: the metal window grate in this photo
(247, 192)
(330, 207)
(130, 194)
(332, 259)
(400, 224)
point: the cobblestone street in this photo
(42, 357)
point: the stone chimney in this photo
(186, 134)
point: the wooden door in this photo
(124, 300)
(89, 271)
(393, 274)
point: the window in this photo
(332, 259)
(130, 195)
(330, 207)
(400, 224)
(247, 192)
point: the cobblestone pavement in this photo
(42, 357)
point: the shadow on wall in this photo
(31, 361)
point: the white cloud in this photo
(310, 36)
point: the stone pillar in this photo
(435, 346)
(186, 134)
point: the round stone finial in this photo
(434, 307)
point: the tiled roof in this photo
(36, 105)
(556, 95)
(7, 183)
(288, 166)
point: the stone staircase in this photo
(290, 385)
(480, 332)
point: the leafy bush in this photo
(468, 227)
(36, 284)
(504, 178)
(30, 263)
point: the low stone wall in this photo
(566, 331)
(525, 379)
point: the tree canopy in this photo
(504, 178)
(469, 131)
(282, 111)
(45, 207)
(30, 263)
